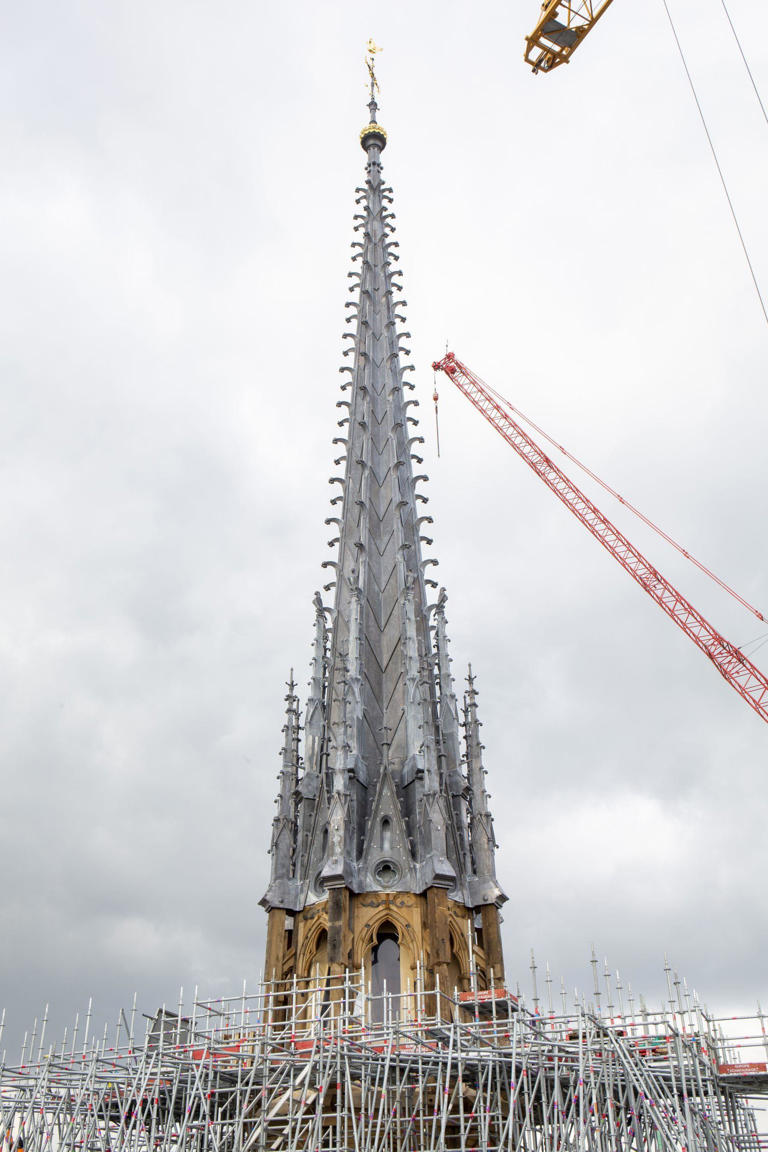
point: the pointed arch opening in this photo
(320, 959)
(320, 997)
(453, 974)
(385, 975)
(385, 837)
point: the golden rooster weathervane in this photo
(370, 63)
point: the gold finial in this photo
(373, 133)
(370, 61)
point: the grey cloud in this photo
(177, 212)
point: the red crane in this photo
(730, 662)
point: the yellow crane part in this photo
(562, 26)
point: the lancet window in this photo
(385, 974)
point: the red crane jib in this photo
(730, 662)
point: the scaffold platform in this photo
(322, 1063)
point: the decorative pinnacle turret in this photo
(481, 822)
(284, 824)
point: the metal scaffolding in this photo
(324, 1064)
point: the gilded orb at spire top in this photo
(373, 133)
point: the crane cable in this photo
(717, 162)
(746, 65)
(612, 492)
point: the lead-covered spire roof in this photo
(383, 798)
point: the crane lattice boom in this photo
(730, 662)
(562, 26)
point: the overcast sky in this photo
(175, 221)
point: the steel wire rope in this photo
(744, 58)
(612, 492)
(717, 162)
(760, 640)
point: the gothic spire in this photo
(383, 797)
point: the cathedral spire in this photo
(380, 667)
(384, 802)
